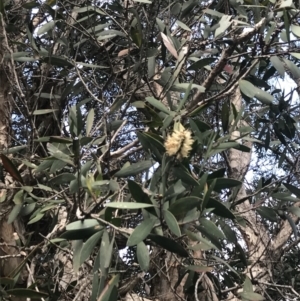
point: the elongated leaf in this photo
(46, 27)
(141, 232)
(83, 224)
(62, 179)
(88, 247)
(128, 205)
(277, 63)
(14, 213)
(249, 296)
(172, 222)
(263, 96)
(212, 228)
(268, 213)
(42, 112)
(182, 25)
(158, 104)
(58, 154)
(169, 244)
(134, 169)
(11, 169)
(182, 206)
(183, 174)
(137, 192)
(89, 121)
(294, 210)
(225, 263)
(38, 217)
(224, 183)
(225, 117)
(247, 88)
(292, 189)
(26, 293)
(219, 208)
(109, 289)
(224, 23)
(169, 45)
(143, 256)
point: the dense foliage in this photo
(149, 149)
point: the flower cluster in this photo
(179, 143)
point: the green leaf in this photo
(264, 97)
(212, 228)
(76, 246)
(225, 117)
(110, 290)
(169, 244)
(183, 174)
(295, 30)
(137, 36)
(182, 25)
(27, 209)
(143, 256)
(141, 232)
(134, 169)
(58, 139)
(15, 149)
(128, 205)
(251, 296)
(143, 1)
(267, 213)
(104, 246)
(11, 169)
(158, 105)
(137, 192)
(81, 233)
(62, 179)
(26, 293)
(42, 112)
(38, 217)
(182, 206)
(224, 23)
(89, 121)
(19, 197)
(294, 210)
(296, 55)
(295, 70)
(219, 208)
(198, 237)
(182, 87)
(277, 63)
(172, 222)
(247, 88)
(58, 154)
(174, 190)
(89, 246)
(224, 183)
(14, 213)
(88, 8)
(225, 263)
(229, 233)
(247, 287)
(294, 190)
(46, 27)
(83, 224)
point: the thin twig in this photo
(196, 286)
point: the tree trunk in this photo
(10, 256)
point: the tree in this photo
(149, 150)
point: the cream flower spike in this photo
(179, 143)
